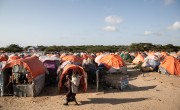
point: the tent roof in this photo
(71, 66)
(32, 64)
(112, 60)
(139, 58)
(47, 58)
(172, 65)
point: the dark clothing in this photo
(69, 95)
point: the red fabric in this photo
(32, 64)
(3, 58)
(14, 58)
(65, 71)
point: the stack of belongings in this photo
(151, 62)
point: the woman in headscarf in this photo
(71, 85)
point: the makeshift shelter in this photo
(1, 84)
(13, 57)
(66, 70)
(72, 58)
(84, 56)
(62, 55)
(105, 79)
(97, 59)
(114, 63)
(89, 67)
(3, 58)
(170, 65)
(23, 77)
(138, 59)
(151, 62)
(32, 49)
(164, 54)
(127, 57)
(51, 64)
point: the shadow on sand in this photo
(133, 88)
(53, 90)
(112, 101)
(49, 91)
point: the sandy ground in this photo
(153, 91)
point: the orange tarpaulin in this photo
(112, 60)
(139, 58)
(72, 58)
(14, 58)
(84, 56)
(164, 54)
(62, 55)
(71, 66)
(172, 65)
(32, 64)
(3, 58)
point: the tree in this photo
(134, 47)
(2, 49)
(171, 48)
(14, 48)
(41, 48)
(52, 49)
(141, 47)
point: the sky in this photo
(89, 22)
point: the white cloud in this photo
(147, 33)
(113, 19)
(168, 2)
(110, 28)
(175, 26)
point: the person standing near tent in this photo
(71, 85)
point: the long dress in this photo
(70, 96)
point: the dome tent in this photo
(33, 68)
